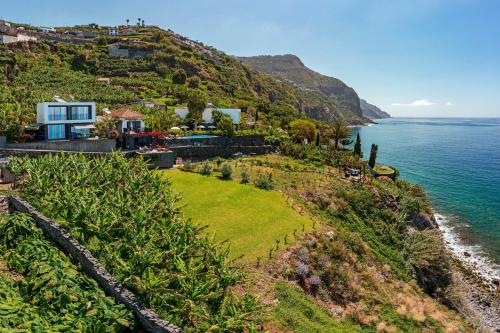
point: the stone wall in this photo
(87, 146)
(242, 140)
(148, 319)
(196, 153)
(4, 204)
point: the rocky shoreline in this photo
(473, 294)
(475, 300)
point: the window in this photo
(78, 133)
(56, 132)
(80, 113)
(57, 113)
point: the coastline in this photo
(475, 291)
(471, 256)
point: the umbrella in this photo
(212, 127)
(185, 127)
(201, 126)
(175, 128)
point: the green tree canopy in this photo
(303, 129)
(196, 105)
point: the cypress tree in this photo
(373, 155)
(317, 139)
(357, 147)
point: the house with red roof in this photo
(128, 120)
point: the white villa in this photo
(235, 114)
(66, 120)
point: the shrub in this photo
(226, 171)
(179, 76)
(206, 169)
(265, 182)
(194, 82)
(245, 177)
(427, 259)
(187, 166)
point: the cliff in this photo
(371, 111)
(338, 99)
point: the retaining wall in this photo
(206, 152)
(148, 319)
(242, 140)
(87, 146)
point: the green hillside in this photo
(169, 67)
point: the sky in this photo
(419, 58)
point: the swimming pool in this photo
(199, 136)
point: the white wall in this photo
(235, 114)
(5, 39)
(42, 111)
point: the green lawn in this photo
(383, 170)
(250, 218)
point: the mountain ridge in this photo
(291, 68)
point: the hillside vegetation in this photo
(171, 67)
(366, 265)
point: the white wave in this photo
(472, 256)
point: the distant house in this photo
(14, 36)
(8, 37)
(128, 120)
(235, 114)
(113, 31)
(47, 30)
(66, 120)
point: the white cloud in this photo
(449, 104)
(417, 103)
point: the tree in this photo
(128, 21)
(357, 147)
(340, 131)
(226, 125)
(216, 117)
(373, 156)
(162, 120)
(196, 106)
(317, 139)
(179, 76)
(303, 129)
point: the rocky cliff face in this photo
(338, 100)
(371, 111)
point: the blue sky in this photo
(409, 57)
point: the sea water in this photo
(457, 161)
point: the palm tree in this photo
(128, 21)
(340, 131)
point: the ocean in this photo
(457, 161)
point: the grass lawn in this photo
(250, 218)
(383, 170)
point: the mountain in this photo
(371, 111)
(340, 100)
